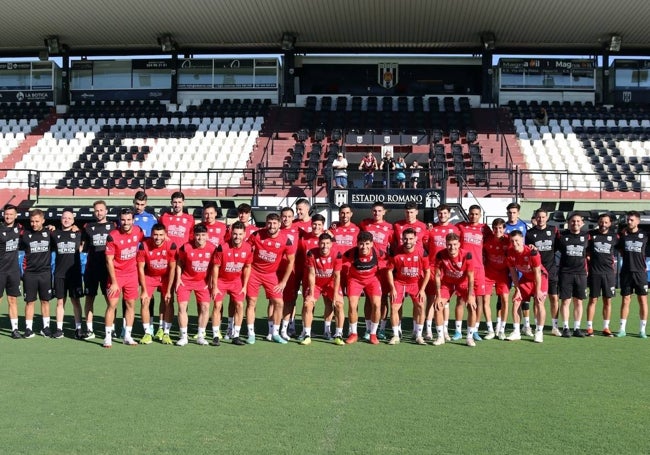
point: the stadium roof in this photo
(90, 27)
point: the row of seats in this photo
(387, 104)
(577, 110)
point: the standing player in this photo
(632, 245)
(344, 230)
(411, 221)
(411, 269)
(323, 265)
(121, 263)
(601, 276)
(244, 213)
(307, 242)
(454, 274)
(192, 269)
(497, 274)
(382, 236)
(303, 219)
(514, 223)
(145, 221)
(156, 270)
(572, 245)
(37, 275)
(437, 242)
(215, 229)
(290, 292)
(530, 280)
(231, 268)
(364, 268)
(66, 243)
(93, 242)
(472, 235)
(269, 246)
(9, 267)
(177, 223)
(141, 218)
(543, 237)
(178, 226)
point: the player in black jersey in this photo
(66, 244)
(93, 242)
(543, 238)
(37, 276)
(601, 278)
(9, 268)
(632, 244)
(572, 245)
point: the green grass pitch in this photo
(581, 395)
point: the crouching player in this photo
(411, 275)
(364, 262)
(192, 266)
(323, 278)
(454, 274)
(533, 283)
(156, 269)
(231, 269)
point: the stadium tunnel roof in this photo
(114, 27)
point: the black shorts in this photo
(604, 284)
(634, 283)
(553, 285)
(37, 285)
(572, 285)
(70, 285)
(95, 277)
(11, 283)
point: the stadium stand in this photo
(142, 145)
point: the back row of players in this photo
(386, 262)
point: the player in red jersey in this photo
(472, 235)
(344, 230)
(411, 221)
(453, 270)
(216, 229)
(230, 273)
(364, 265)
(269, 246)
(290, 293)
(178, 225)
(303, 219)
(382, 236)
(192, 269)
(156, 270)
(422, 238)
(306, 242)
(323, 265)
(533, 283)
(411, 275)
(497, 275)
(244, 215)
(438, 242)
(121, 263)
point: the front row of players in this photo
(356, 262)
